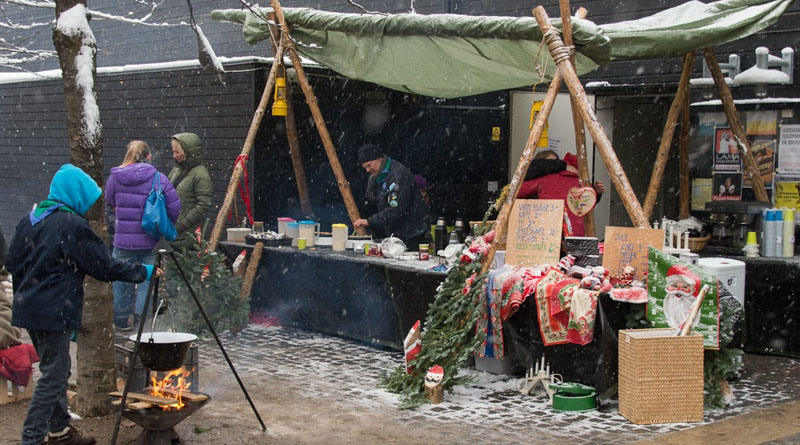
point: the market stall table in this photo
(772, 304)
(371, 299)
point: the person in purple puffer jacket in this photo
(127, 190)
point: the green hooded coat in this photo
(195, 189)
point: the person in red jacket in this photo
(556, 186)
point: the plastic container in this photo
(788, 233)
(237, 234)
(339, 237)
(293, 231)
(307, 229)
(728, 271)
(768, 235)
(282, 224)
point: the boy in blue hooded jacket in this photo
(52, 250)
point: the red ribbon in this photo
(244, 193)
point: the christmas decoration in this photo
(217, 289)
(581, 200)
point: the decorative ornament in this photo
(433, 384)
(581, 200)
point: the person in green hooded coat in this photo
(193, 184)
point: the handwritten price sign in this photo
(534, 232)
(628, 245)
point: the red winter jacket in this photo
(556, 186)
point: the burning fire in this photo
(171, 386)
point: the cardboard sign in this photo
(628, 245)
(534, 232)
(672, 286)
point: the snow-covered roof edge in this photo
(9, 78)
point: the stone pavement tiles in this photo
(326, 366)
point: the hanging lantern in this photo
(543, 139)
(279, 107)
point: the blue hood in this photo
(75, 188)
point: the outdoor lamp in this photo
(706, 83)
(760, 76)
(279, 107)
(543, 139)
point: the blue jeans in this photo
(130, 297)
(47, 411)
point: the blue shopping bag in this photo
(155, 221)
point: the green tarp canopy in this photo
(447, 55)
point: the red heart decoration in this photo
(581, 200)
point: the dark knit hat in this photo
(369, 152)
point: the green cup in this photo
(301, 243)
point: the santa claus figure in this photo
(683, 286)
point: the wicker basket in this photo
(697, 245)
(475, 225)
(660, 376)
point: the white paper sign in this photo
(789, 150)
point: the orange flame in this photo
(171, 386)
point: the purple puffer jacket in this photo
(127, 190)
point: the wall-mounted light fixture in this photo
(706, 83)
(760, 75)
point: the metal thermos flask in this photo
(440, 235)
(460, 230)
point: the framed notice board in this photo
(534, 232)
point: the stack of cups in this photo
(768, 236)
(751, 248)
(788, 233)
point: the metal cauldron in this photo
(164, 351)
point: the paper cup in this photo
(751, 238)
(301, 243)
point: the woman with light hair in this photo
(127, 190)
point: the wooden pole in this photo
(750, 166)
(618, 177)
(577, 120)
(291, 135)
(248, 145)
(297, 159)
(311, 99)
(501, 224)
(684, 159)
(252, 268)
(667, 135)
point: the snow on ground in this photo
(348, 372)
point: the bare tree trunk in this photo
(77, 53)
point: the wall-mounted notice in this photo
(726, 152)
(789, 150)
(534, 232)
(628, 245)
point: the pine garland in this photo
(449, 336)
(219, 292)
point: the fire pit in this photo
(158, 424)
(160, 407)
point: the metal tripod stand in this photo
(164, 249)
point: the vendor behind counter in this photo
(392, 189)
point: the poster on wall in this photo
(726, 187)
(701, 193)
(726, 152)
(672, 287)
(787, 194)
(789, 146)
(764, 155)
(761, 123)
